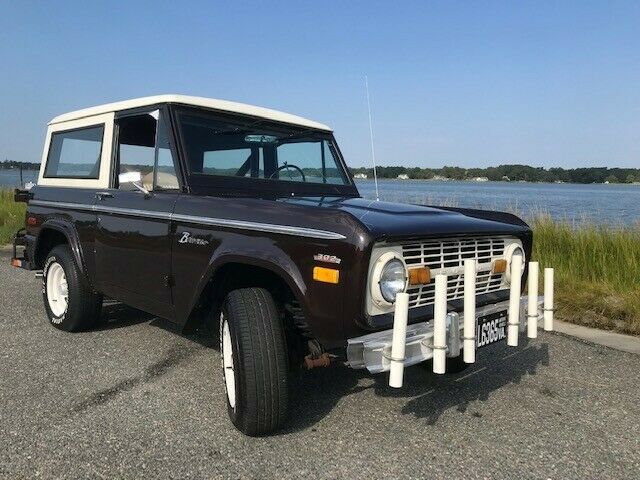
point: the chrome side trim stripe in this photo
(73, 206)
(260, 227)
(215, 222)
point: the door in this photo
(134, 231)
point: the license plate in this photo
(491, 328)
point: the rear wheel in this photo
(70, 303)
(254, 361)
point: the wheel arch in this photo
(53, 233)
(235, 271)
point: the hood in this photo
(386, 220)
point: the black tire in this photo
(83, 306)
(260, 363)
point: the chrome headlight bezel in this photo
(382, 263)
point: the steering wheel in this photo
(287, 166)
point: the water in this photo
(602, 204)
(11, 178)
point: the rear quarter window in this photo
(75, 153)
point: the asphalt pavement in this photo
(134, 399)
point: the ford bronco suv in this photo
(248, 219)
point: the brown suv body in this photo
(169, 252)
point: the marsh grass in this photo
(597, 271)
(11, 216)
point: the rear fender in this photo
(70, 233)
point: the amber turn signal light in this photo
(499, 266)
(419, 276)
(326, 275)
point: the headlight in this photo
(392, 280)
(389, 278)
(510, 252)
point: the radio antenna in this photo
(373, 151)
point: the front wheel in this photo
(254, 361)
(70, 303)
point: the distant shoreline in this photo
(505, 182)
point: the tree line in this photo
(514, 173)
(10, 164)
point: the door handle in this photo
(103, 195)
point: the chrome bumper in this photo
(373, 351)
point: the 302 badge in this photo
(491, 328)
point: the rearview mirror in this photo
(261, 139)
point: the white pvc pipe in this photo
(440, 325)
(399, 340)
(548, 299)
(532, 310)
(469, 343)
(514, 301)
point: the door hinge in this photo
(168, 281)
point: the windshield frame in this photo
(258, 187)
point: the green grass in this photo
(11, 216)
(597, 268)
(597, 272)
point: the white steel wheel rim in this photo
(57, 289)
(227, 363)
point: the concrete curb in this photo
(617, 341)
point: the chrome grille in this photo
(448, 256)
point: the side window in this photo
(137, 147)
(75, 153)
(166, 177)
(143, 147)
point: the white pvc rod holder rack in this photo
(469, 326)
(532, 307)
(548, 299)
(513, 321)
(440, 326)
(398, 340)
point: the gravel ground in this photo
(134, 399)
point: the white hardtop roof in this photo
(212, 103)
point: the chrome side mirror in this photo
(134, 178)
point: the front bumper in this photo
(373, 351)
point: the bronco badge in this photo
(187, 238)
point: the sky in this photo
(470, 84)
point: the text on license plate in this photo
(491, 328)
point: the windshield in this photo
(260, 150)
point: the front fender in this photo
(256, 252)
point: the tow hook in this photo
(323, 360)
